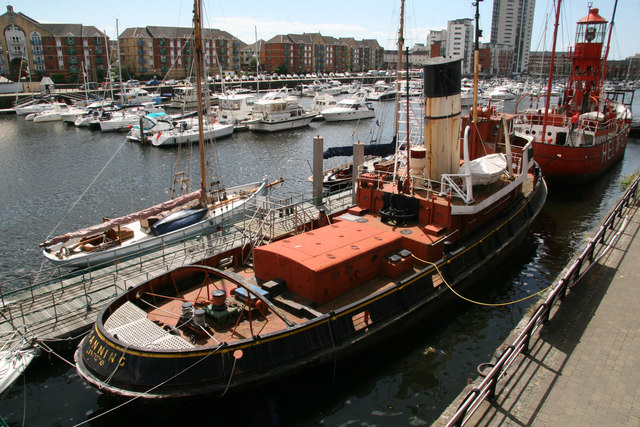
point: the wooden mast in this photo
(550, 82)
(197, 23)
(399, 64)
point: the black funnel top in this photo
(442, 78)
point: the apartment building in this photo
(32, 49)
(168, 51)
(511, 26)
(460, 39)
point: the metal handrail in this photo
(578, 269)
(130, 272)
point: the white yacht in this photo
(276, 111)
(349, 109)
(235, 108)
(127, 117)
(500, 92)
(188, 132)
(322, 102)
(382, 92)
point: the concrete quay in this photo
(583, 365)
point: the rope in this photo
(85, 190)
(49, 350)
(486, 304)
(110, 377)
(151, 389)
(233, 369)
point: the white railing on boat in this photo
(63, 294)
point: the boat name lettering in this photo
(101, 354)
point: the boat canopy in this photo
(146, 213)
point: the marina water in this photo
(45, 168)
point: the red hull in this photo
(566, 165)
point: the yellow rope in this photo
(478, 302)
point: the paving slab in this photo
(583, 368)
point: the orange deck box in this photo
(325, 263)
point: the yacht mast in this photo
(257, 63)
(551, 69)
(197, 23)
(118, 50)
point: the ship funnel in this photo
(442, 116)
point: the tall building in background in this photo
(460, 42)
(511, 25)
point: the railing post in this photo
(318, 143)
(53, 304)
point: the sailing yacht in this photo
(197, 213)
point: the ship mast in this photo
(399, 65)
(606, 52)
(476, 60)
(550, 81)
(197, 22)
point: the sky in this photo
(370, 19)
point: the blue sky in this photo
(357, 18)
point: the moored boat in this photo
(134, 234)
(375, 270)
(349, 109)
(277, 111)
(586, 133)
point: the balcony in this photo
(98, 51)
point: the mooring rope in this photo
(150, 390)
(479, 302)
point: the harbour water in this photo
(46, 167)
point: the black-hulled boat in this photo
(377, 269)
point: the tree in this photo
(282, 69)
(253, 62)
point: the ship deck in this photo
(256, 319)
